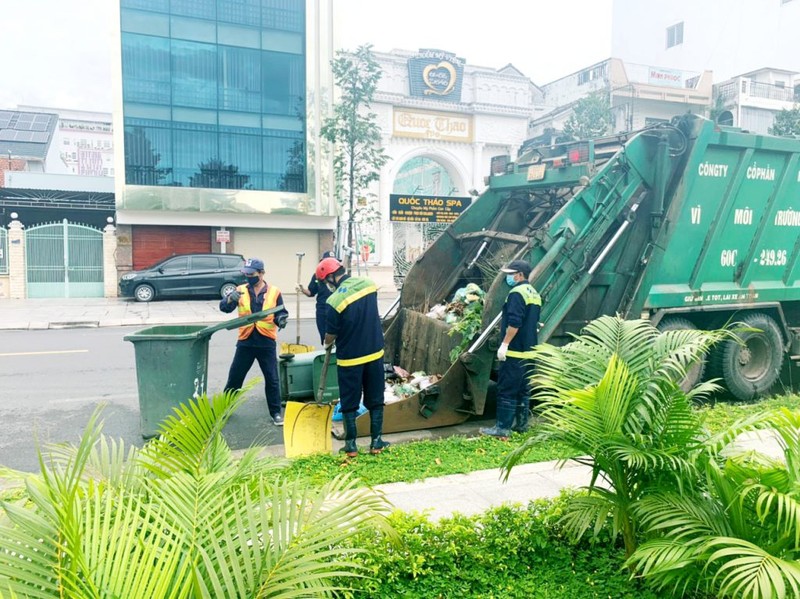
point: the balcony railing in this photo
(772, 92)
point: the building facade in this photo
(728, 38)
(638, 95)
(217, 116)
(442, 121)
(752, 100)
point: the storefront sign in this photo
(432, 125)
(426, 209)
(223, 236)
(664, 77)
(436, 75)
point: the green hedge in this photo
(508, 553)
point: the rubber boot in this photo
(350, 434)
(505, 417)
(521, 417)
(376, 430)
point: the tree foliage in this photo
(356, 135)
(179, 518)
(590, 118)
(141, 159)
(787, 123)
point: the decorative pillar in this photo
(17, 274)
(109, 261)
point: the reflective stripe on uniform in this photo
(349, 292)
(361, 360)
(528, 293)
(265, 326)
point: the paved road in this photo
(52, 380)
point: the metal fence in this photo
(771, 92)
(3, 251)
(64, 260)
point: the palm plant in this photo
(741, 537)
(179, 518)
(613, 396)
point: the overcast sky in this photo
(56, 52)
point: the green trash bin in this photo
(172, 366)
(300, 376)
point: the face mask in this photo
(510, 280)
(252, 281)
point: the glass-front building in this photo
(214, 96)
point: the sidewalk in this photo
(61, 313)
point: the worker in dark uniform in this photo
(518, 331)
(319, 289)
(257, 341)
(354, 324)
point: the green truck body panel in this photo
(687, 217)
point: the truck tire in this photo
(751, 367)
(695, 373)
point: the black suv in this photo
(187, 274)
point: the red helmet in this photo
(326, 267)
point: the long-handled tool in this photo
(297, 347)
(307, 426)
(299, 283)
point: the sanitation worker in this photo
(320, 289)
(257, 341)
(518, 331)
(354, 324)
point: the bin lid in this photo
(187, 332)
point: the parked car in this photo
(184, 275)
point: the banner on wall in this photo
(426, 209)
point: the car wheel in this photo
(144, 293)
(694, 374)
(227, 289)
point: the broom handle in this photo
(323, 375)
(297, 315)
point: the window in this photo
(232, 262)
(588, 75)
(205, 263)
(780, 84)
(675, 35)
(178, 264)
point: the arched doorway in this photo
(419, 176)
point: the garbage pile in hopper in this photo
(464, 313)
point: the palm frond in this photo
(669, 565)
(746, 570)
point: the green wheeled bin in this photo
(172, 366)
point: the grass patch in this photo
(409, 462)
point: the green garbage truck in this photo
(688, 224)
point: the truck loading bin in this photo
(687, 224)
(172, 366)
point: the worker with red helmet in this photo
(319, 289)
(354, 324)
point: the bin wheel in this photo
(227, 289)
(144, 293)
(694, 374)
(752, 365)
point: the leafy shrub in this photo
(507, 552)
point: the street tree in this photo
(354, 132)
(590, 118)
(787, 123)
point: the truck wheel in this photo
(751, 366)
(694, 374)
(144, 293)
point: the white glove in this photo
(299, 288)
(327, 346)
(502, 351)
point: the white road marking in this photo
(47, 353)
